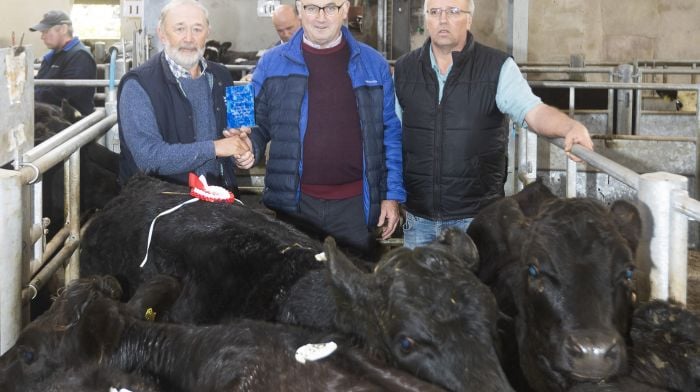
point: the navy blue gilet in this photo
(173, 113)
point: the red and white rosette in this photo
(200, 190)
(203, 191)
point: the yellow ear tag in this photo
(150, 315)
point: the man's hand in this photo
(577, 134)
(550, 122)
(388, 218)
(245, 159)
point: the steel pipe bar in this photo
(668, 71)
(51, 247)
(49, 269)
(609, 166)
(61, 137)
(687, 206)
(239, 67)
(564, 69)
(61, 152)
(37, 195)
(72, 82)
(72, 205)
(615, 85)
(556, 64)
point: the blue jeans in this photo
(419, 231)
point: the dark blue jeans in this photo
(419, 231)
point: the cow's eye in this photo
(629, 273)
(27, 355)
(533, 271)
(406, 344)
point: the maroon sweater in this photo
(333, 139)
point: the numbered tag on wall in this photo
(132, 8)
(267, 7)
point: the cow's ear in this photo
(101, 328)
(154, 298)
(345, 275)
(109, 286)
(225, 46)
(532, 197)
(499, 231)
(460, 245)
(351, 291)
(628, 221)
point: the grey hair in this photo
(471, 6)
(175, 3)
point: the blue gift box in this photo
(240, 108)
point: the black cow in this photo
(221, 53)
(665, 346)
(238, 262)
(86, 326)
(233, 261)
(664, 352)
(564, 273)
(99, 167)
(50, 119)
(425, 311)
(61, 349)
(89, 378)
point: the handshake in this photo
(237, 145)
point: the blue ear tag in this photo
(240, 110)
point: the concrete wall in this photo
(602, 30)
(19, 15)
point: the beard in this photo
(186, 60)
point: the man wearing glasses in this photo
(454, 94)
(325, 102)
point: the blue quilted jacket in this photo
(281, 106)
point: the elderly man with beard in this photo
(172, 111)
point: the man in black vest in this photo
(171, 109)
(67, 59)
(454, 94)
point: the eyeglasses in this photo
(451, 12)
(330, 9)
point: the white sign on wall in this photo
(132, 8)
(266, 7)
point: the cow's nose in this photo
(594, 354)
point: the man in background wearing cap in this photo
(67, 59)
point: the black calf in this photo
(86, 326)
(565, 275)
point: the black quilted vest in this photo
(455, 151)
